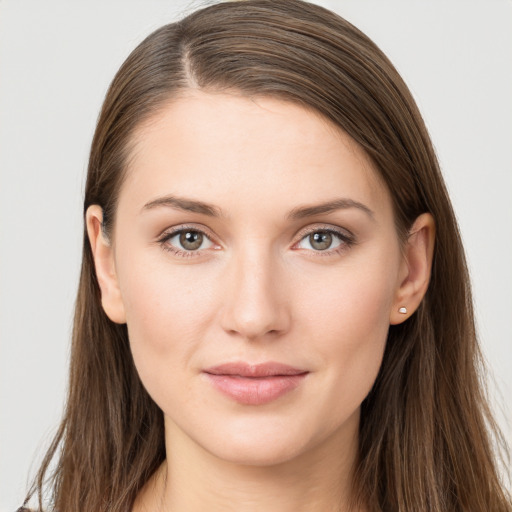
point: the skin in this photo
(257, 290)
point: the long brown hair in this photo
(426, 432)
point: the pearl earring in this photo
(403, 310)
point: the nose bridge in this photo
(255, 305)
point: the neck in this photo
(192, 479)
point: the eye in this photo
(324, 240)
(186, 240)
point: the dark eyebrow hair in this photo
(328, 207)
(301, 212)
(188, 205)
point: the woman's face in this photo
(258, 265)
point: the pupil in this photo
(320, 240)
(191, 240)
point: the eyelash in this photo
(180, 252)
(347, 241)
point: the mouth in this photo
(255, 384)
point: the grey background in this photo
(56, 61)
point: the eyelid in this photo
(183, 227)
(347, 238)
(344, 233)
(169, 233)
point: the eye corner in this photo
(344, 237)
(178, 247)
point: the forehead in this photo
(220, 146)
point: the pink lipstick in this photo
(255, 384)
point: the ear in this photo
(103, 254)
(414, 275)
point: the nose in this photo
(255, 306)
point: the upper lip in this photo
(243, 369)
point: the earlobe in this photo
(415, 269)
(103, 255)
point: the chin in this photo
(258, 453)
(258, 443)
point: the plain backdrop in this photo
(56, 61)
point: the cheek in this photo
(168, 309)
(348, 318)
(351, 302)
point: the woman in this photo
(274, 309)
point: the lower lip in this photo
(255, 390)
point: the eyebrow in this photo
(301, 212)
(329, 207)
(188, 205)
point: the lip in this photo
(255, 384)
